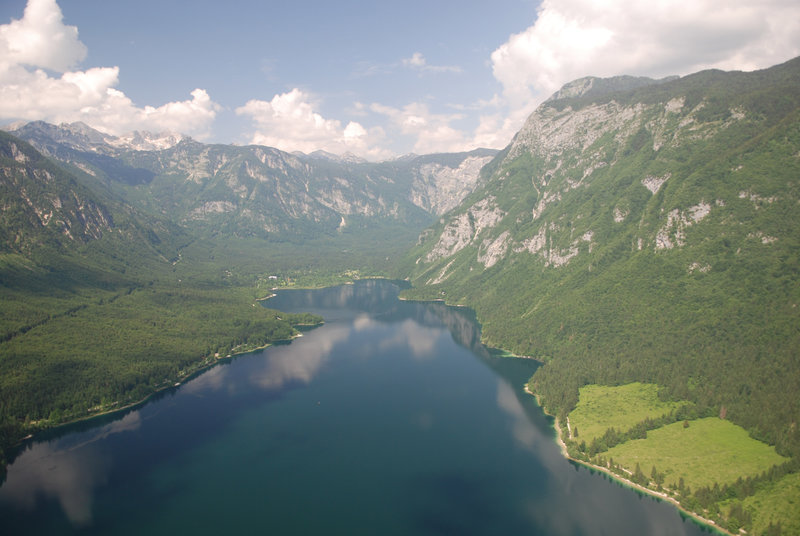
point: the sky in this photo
(377, 79)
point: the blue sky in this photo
(374, 78)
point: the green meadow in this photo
(622, 407)
(712, 466)
(708, 451)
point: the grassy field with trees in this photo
(770, 504)
(702, 453)
(707, 464)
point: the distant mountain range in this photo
(48, 212)
(258, 191)
(82, 137)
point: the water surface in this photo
(389, 419)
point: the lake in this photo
(391, 418)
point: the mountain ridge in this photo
(650, 235)
(262, 191)
(41, 204)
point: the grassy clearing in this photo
(777, 502)
(710, 450)
(602, 407)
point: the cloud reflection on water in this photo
(300, 361)
(420, 340)
(525, 433)
(68, 472)
(212, 380)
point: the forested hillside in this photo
(643, 231)
(102, 304)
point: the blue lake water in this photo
(389, 419)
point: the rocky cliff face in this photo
(438, 188)
(40, 204)
(592, 164)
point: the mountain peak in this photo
(81, 136)
(346, 158)
(139, 140)
(408, 157)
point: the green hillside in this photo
(656, 240)
(643, 232)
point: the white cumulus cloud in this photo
(416, 60)
(41, 38)
(40, 43)
(433, 133)
(289, 122)
(570, 39)
(575, 38)
(442, 133)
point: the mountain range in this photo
(259, 191)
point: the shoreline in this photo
(697, 518)
(203, 367)
(705, 522)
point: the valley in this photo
(638, 237)
(125, 271)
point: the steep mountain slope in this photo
(259, 191)
(643, 231)
(48, 212)
(42, 204)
